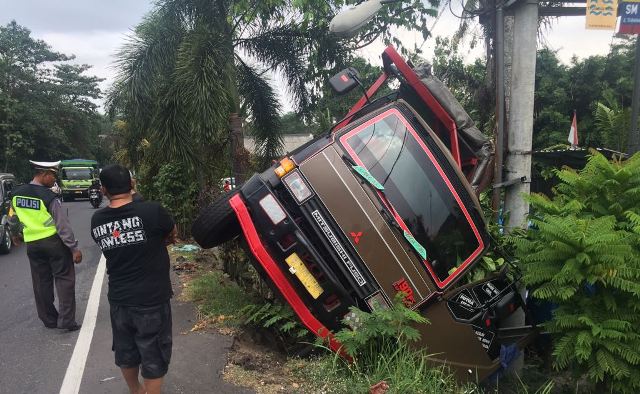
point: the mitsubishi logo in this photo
(356, 236)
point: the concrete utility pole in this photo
(500, 106)
(633, 144)
(520, 122)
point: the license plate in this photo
(297, 267)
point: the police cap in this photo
(45, 165)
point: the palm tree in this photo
(182, 81)
(193, 70)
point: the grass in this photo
(404, 370)
(380, 347)
(218, 298)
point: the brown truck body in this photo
(382, 205)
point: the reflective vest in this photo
(30, 203)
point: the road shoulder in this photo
(197, 361)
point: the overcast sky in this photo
(93, 30)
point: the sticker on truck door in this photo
(484, 336)
(463, 305)
(342, 254)
(403, 286)
(488, 291)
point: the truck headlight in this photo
(272, 209)
(298, 187)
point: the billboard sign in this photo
(629, 18)
(601, 14)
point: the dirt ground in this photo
(259, 368)
(250, 362)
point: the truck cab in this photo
(76, 177)
(384, 203)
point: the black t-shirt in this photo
(132, 240)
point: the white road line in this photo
(75, 370)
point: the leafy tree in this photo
(176, 192)
(561, 89)
(46, 107)
(584, 256)
(552, 106)
(292, 123)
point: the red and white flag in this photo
(573, 132)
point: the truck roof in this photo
(78, 163)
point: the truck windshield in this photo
(76, 174)
(425, 203)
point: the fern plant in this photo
(583, 254)
(368, 333)
(612, 121)
(277, 317)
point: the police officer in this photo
(51, 246)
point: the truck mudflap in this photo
(277, 276)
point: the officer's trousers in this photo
(51, 262)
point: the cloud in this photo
(76, 16)
(96, 48)
(93, 30)
(569, 37)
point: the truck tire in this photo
(217, 223)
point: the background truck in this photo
(76, 176)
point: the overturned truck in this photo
(383, 203)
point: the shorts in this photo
(142, 337)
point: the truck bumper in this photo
(277, 276)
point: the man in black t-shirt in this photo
(133, 239)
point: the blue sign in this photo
(629, 18)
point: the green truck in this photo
(76, 176)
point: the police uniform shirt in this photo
(63, 226)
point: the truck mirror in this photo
(344, 81)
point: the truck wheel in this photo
(216, 223)
(5, 241)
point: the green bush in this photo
(367, 332)
(583, 255)
(177, 190)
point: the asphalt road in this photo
(34, 359)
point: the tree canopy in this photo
(598, 88)
(47, 107)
